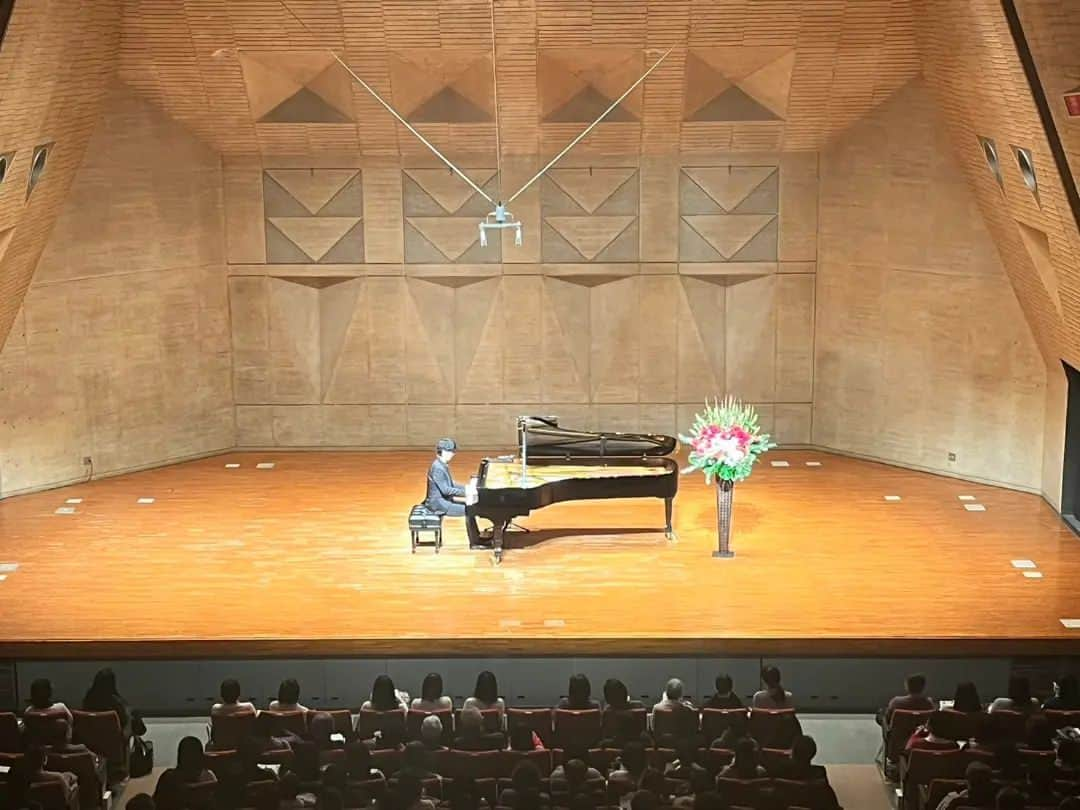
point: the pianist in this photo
(442, 489)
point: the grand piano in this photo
(559, 464)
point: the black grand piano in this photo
(559, 464)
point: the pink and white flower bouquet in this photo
(725, 441)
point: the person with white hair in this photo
(673, 697)
(431, 733)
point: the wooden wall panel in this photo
(921, 348)
(122, 349)
(57, 59)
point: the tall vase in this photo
(724, 492)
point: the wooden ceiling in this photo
(744, 74)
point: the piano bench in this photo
(421, 519)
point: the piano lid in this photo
(545, 438)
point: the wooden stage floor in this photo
(312, 558)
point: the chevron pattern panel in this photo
(313, 216)
(441, 213)
(729, 213)
(590, 215)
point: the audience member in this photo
(913, 699)
(416, 760)
(1066, 694)
(1039, 787)
(617, 696)
(1018, 698)
(979, 791)
(578, 694)
(1067, 761)
(140, 801)
(103, 696)
(526, 791)
(966, 698)
(42, 703)
(431, 733)
(485, 695)
(288, 697)
(169, 793)
(410, 791)
(745, 765)
(431, 697)
(575, 771)
(724, 697)
(673, 697)
(191, 762)
(685, 766)
(1009, 798)
(800, 761)
(384, 696)
(56, 736)
(230, 700)
(358, 763)
(472, 736)
(632, 762)
(1039, 733)
(928, 737)
(32, 771)
(773, 696)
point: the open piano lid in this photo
(546, 439)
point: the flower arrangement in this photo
(725, 440)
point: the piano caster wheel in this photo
(497, 558)
(670, 535)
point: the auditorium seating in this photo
(925, 776)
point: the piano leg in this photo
(498, 529)
(668, 531)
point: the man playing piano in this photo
(442, 489)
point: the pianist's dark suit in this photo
(441, 489)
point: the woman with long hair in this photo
(384, 696)
(773, 696)
(485, 695)
(966, 698)
(431, 697)
(578, 694)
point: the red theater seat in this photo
(537, 720)
(676, 723)
(101, 733)
(389, 723)
(723, 724)
(902, 726)
(773, 728)
(577, 728)
(415, 719)
(228, 731)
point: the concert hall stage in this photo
(311, 558)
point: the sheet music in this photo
(471, 496)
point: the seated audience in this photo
(745, 765)
(617, 696)
(169, 793)
(526, 789)
(416, 760)
(410, 792)
(653, 782)
(773, 696)
(384, 696)
(288, 697)
(431, 733)
(673, 697)
(431, 697)
(578, 694)
(800, 762)
(724, 697)
(320, 734)
(140, 801)
(32, 771)
(56, 737)
(629, 768)
(485, 695)
(1067, 761)
(358, 763)
(42, 703)
(1018, 699)
(102, 696)
(191, 762)
(966, 698)
(1066, 695)
(1009, 798)
(979, 792)
(472, 736)
(568, 772)
(1039, 733)
(266, 731)
(913, 699)
(928, 737)
(243, 770)
(685, 766)
(1039, 786)
(230, 700)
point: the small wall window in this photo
(37, 167)
(1026, 164)
(991, 155)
